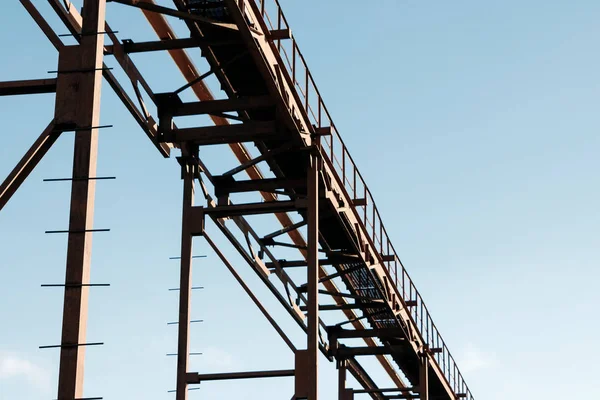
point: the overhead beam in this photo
(224, 134)
(198, 378)
(268, 207)
(362, 333)
(222, 106)
(33, 86)
(332, 260)
(348, 306)
(130, 47)
(226, 185)
(344, 352)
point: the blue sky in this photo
(475, 126)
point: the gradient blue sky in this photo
(476, 127)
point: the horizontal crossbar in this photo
(268, 207)
(226, 185)
(347, 352)
(171, 44)
(34, 86)
(225, 134)
(221, 106)
(348, 306)
(197, 378)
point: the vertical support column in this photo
(313, 276)
(343, 393)
(341, 379)
(424, 378)
(185, 283)
(78, 104)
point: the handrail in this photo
(300, 78)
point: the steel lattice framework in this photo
(326, 214)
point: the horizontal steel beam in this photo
(226, 185)
(197, 378)
(221, 106)
(344, 352)
(332, 260)
(386, 390)
(224, 134)
(170, 44)
(362, 333)
(33, 86)
(267, 207)
(348, 306)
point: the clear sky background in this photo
(476, 127)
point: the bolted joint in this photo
(166, 104)
(189, 165)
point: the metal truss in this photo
(321, 213)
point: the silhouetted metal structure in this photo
(351, 270)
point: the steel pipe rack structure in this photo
(325, 212)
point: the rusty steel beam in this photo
(224, 134)
(162, 45)
(222, 106)
(199, 378)
(348, 306)
(34, 86)
(268, 207)
(188, 170)
(31, 158)
(78, 102)
(385, 390)
(313, 277)
(335, 334)
(342, 380)
(344, 352)
(226, 185)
